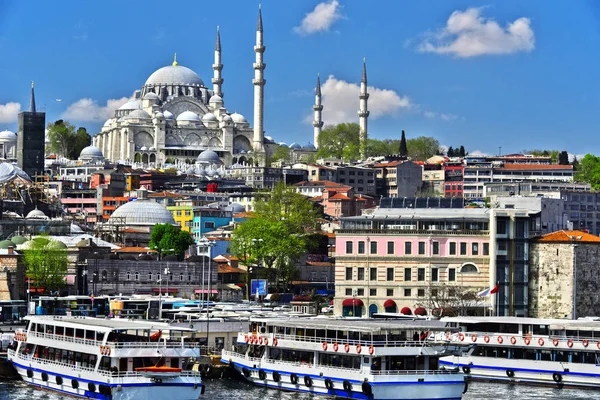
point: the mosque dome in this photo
(8, 136)
(138, 114)
(131, 105)
(150, 96)
(36, 214)
(18, 239)
(5, 244)
(174, 75)
(209, 117)
(209, 157)
(91, 153)
(56, 245)
(309, 146)
(108, 122)
(141, 212)
(239, 118)
(188, 116)
(295, 146)
(215, 99)
(168, 115)
(227, 118)
(283, 144)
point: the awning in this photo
(352, 303)
(406, 311)
(233, 287)
(420, 311)
(212, 291)
(389, 303)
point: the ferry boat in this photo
(347, 358)
(557, 352)
(107, 358)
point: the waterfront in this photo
(234, 389)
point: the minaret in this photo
(259, 86)
(217, 81)
(32, 100)
(317, 122)
(363, 112)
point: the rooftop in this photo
(364, 326)
(568, 237)
(103, 325)
(534, 167)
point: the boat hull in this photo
(558, 374)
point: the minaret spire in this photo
(32, 100)
(259, 86)
(317, 108)
(217, 80)
(363, 112)
(175, 63)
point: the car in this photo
(326, 310)
(283, 308)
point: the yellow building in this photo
(183, 216)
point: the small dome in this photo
(108, 122)
(36, 214)
(239, 118)
(209, 117)
(56, 245)
(138, 114)
(76, 229)
(188, 116)
(158, 114)
(141, 212)
(168, 115)
(131, 105)
(91, 153)
(283, 144)
(150, 96)
(18, 239)
(8, 136)
(209, 157)
(152, 148)
(309, 146)
(235, 208)
(227, 118)
(174, 75)
(295, 146)
(5, 244)
(215, 99)
(143, 148)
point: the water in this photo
(234, 389)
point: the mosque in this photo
(175, 117)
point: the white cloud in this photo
(468, 34)
(340, 101)
(9, 111)
(442, 116)
(87, 109)
(320, 19)
(478, 153)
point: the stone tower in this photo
(259, 86)
(363, 112)
(318, 108)
(217, 80)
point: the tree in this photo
(461, 151)
(589, 171)
(575, 163)
(46, 264)
(452, 300)
(403, 150)
(340, 141)
(65, 141)
(563, 158)
(422, 148)
(378, 148)
(281, 153)
(450, 152)
(82, 140)
(170, 240)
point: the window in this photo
(209, 225)
(389, 292)
(361, 274)
(372, 274)
(373, 247)
(348, 292)
(407, 247)
(421, 293)
(181, 277)
(452, 248)
(128, 276)
(474, 249)
(390, 274)
(179, 213)
(390, 247)
(360, 292)
(407, 274)
(348, 247)
(435, 275)
(486, 249)
(463, 249)
(361, 247)
(434, 293)
(150, 276)
(468, 269)
(501, 228)
(451, 274)
(137, 276)
(421, 274)
(372, 292)
(407, 292)
(421, 248)
(189, 277)
(348, 273)
(435, 248)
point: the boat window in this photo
(175, 362)
(339, 360)
(60, 330)
(590, 358)
(540, 330)
(546, 355)
(517, 353)
(561, 356)
(530, 355)
(105, 363)
(79, 333)
(576, 357)
(69, 332)
(90, 335)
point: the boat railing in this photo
(115, 345)
(416, 372)
(65, 338)
(534, 338)
(351, 342)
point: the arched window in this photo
(469, 269)
(128, 275)
(104, 276)
(150, 276)
(137, 276)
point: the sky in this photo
(495, 76)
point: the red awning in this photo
(406, 311)
(352, 303)
(389, 303)
(420, 311)
(213, 291)
(164, 290)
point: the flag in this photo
(494, 290)
(487, 292)
(484, 293)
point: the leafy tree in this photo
(403, 150)
(378, 148)
(451, 300)
(281, 153)
(422, 148)
(575, 164)
(461, 152)
(65, 141)
(340, 141)
(46, 264)
(563, 158)
(169, 240)
(82, 140)
(450, 152)
(589, 171)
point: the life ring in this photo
(260, 340)
(367, 389)
(294, 379)
(555, 342)
(346, 347)
(275, 341)
(246, 338)
(266, 341)
(276, 376)
(461, 337)
(541, 341)
(324, 345)
(513, 340)
(527, 341)
(570, 343)
(598, 344)
(308, 381)
(347, 386)
(328, 384)
(371, 350)
(557, 377)
(510, 373)
(336, 346)
(466, 369)
(262, 375)
(500, 339)
(474, 338)
(107, 350)
(585, 343)
(358, 348)
(486, 339)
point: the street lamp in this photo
(257, 243)
(208, 244)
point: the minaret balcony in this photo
(218, 67)
(217, 81)
(260, 49)
(318, 124)
(363, 114)
(363, 96)
(260, 66)
(259, 82)
(318, 107)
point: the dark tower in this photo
(31, 139)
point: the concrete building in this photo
(398, 178)
(31, 139)
(563, 277)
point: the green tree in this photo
(81, 141)
(281, 153)
(46, 264)
(65, 141)
(563, 158)
(450, 152)
(378, 148)
(170, 240)
(461, 151)
(422, 148)
(589, 171)
(339, 141)
(575, 163)
(403, 150)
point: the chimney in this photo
(11, 250)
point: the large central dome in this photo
(175, 75)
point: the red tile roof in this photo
(245, 214)
(228, 269)
(320, 183)
(568, 237)
(388, 164)
(340, 196)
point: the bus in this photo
(87, 306)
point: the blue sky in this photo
(515, 74)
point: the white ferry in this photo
(563, 353)
(347, 358)
(107, 358)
